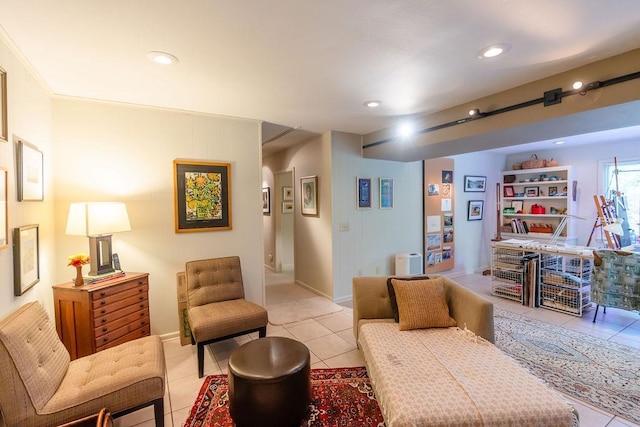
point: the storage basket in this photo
(508, 179)
(551, 163)
(517, 166)
(533, 163)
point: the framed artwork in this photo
(26, 258)
(363, 187)
(475, 210)
(30, 176)
(531, 191)
(385, 187)
(287, 206)
(266, 200)
(202, 192)
(447, 177)
(4, 130)
(475, 183)
(553, 191)
(309, 191)
(517, 205)
(287, 193)
(4, 210)
(508, 191)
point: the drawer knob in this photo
(103, 311)
(140, 282)
(104, 320)
(103, 302)
(103, 293)
(140, 290)
(143, 323)
(141, 298)
(141, 314)
(141, 305)
(105, 339)
(105, 329)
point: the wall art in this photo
(26, 258)
(30, 173)
(385, 187)
(309, 199)
(363, 187)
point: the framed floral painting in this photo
(202, 196)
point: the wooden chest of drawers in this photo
(97, 316)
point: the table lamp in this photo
(98, 221)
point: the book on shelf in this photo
(103, 277)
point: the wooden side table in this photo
(97, 316)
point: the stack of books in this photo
(102, 277)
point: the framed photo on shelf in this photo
(309, 191)
(508, 191)
(266, 200)
(4, 210)
(363, 187)
(287, 193)
(531, 191)
(475, 210)
(4, 130)
(475, 183)
(30, 176)
(26, 258)
(202, 193)
(517, 205)
(287, 207)
(553, 191)
(385, 187)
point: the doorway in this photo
(284, 222)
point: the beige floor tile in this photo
(309, 331)
(180, 416)
(282, 332)
(348, 336)
(329, 346)
(319, 365)
(184, 391)
(350, 359)
(337, 322)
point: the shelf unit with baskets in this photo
(565, 282)
(534, 201)
(511, 274)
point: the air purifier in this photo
(408, 264)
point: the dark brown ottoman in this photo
(269, 383)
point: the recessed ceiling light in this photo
(559, 142)
(577, 84)
(406, 130)
(163, 58)
(493, 50)
(372, 103)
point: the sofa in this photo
(41, 386)
(444, 375)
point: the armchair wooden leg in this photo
(200, 360)
(262, 332)
(158, 412)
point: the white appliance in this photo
(408, 264)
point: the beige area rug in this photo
(288, 303)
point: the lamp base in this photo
(101, 256)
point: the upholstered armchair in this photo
(616, 280)
(41, 386)
(216, 308)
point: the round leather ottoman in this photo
(269, 383)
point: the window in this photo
(628, 204)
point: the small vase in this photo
(79, 279)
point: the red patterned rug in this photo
(341, 397)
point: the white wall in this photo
(109, 152)
(29, 112)
(584, 161)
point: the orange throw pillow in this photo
(422, 304)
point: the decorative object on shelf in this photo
(385, 198)
(4, 132)
(202, 196)
(475, 183)
(266, 201)
(533, 163)
(531, 191)
(98, 221)
(78, 261)
(508, 179)
(4, 209)
(30, 175)
(508, 191)
(516, 166)
(26, 258)
(363, 187)
(538, 209)
(551, 163)
(475, 210)
(309, 199)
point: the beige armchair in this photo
(216, 308)
(40, 386)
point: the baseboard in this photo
(170, 336)
(314, 290)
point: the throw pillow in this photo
(392, 293)
(422, 304)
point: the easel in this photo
(606, 216)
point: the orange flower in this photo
(79, 259)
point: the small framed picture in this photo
(4, 134)
(309, 199)
(363, 187)
(531, 191)
(475, 183)
(287, 207)
(30, 175)
(508, 191)
(475, 210)
(517, 205)
(4, 209)
(26, 258)
(386, 193)
(287, 193)
(266, 200)
(553, 191)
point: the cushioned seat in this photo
(40, 386)
(269, 383)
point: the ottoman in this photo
(269, 383)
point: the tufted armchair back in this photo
(33, 360)
(213, 280)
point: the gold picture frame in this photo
(4, 209)
(4, 129)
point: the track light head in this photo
(474, 112)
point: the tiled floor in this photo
(331, 342)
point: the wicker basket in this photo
(551, 163)
(533, 163)
(517, 166)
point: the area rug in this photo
(340, 397)
(303, 309)
(602, 373)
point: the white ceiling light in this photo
(373, 103)
(493, 50)
(162, 58)
(406, 130)
(559, 142)
(577, 84)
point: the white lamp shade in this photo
(95, 219)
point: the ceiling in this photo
(310, 65)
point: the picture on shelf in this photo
(508, 191)
(517, 206)
(531, 191)
(553, 191)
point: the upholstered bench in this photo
(269, 383)
(40, 386)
